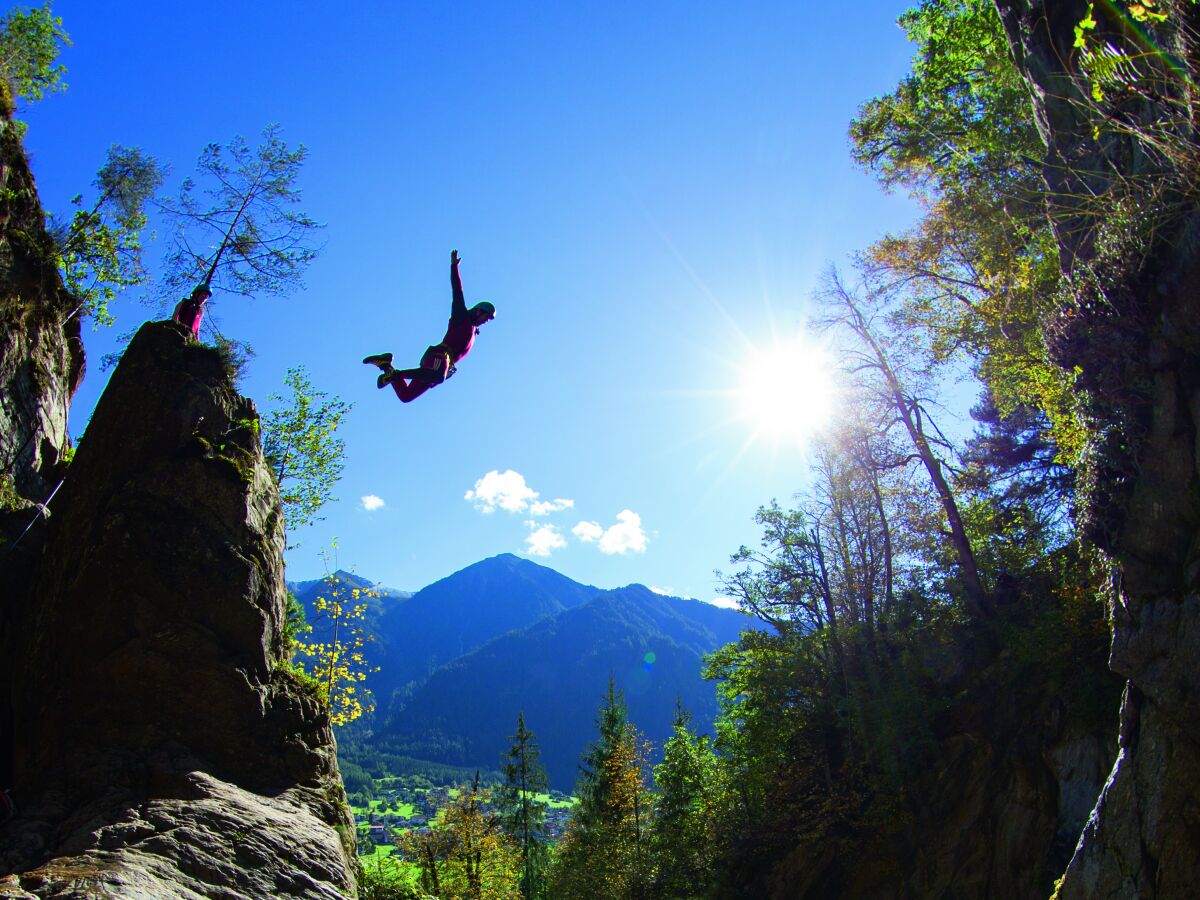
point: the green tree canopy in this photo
(30, 41)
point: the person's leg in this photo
(407, 391)
(429, 377)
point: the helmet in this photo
(486, 307)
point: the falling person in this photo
(439, 361)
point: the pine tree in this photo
(522, 816)
(684, 832)
(604, 853)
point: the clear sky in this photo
(647, 192)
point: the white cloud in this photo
(505, 490)
(508, 491)
(544, 541)
(624, 537)
(371, 503)
(666, 592)
(545, 507)
(724, 602)
(588, 531)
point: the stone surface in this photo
(159, 749)
(41, 353)
(1136, 348)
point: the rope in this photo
(42, 507)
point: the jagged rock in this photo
(160, 749)
(41, 353)
(1135, 344)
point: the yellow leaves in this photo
(339, 662)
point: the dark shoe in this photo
(383, 360)
(385, 377)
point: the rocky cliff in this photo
(1133, 336)
(153, 742)
(41, 354)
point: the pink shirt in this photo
(189, 313)
(460, 338)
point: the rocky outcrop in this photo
(41, 354)
(1134, 339)
(160, 748)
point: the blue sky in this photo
(645, 191)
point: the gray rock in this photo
(160, 748)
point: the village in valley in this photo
(411, 803)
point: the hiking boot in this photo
(385, 376)
(383, 360)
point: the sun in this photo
(787, 392)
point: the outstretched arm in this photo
(458, 306)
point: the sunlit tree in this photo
(300, 443)
(30, 41)
(336, 657)
(100, 249)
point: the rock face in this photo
(41, 354)
(1135, 341)
(159, 748)
(996, 811)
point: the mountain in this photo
(556, 671)
(463, 611)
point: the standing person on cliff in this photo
(439, 361)
(190, 310)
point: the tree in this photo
(874, 359)
(30, 40)
(300, 443)
(523, 816)
(604, 854)
(466, 855)
(236, 228)
(100, 250)
(337, 663)
(684, 836)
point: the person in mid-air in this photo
(439, 361)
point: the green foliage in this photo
(466, 855)
(961, 116)
(9, 497)
(100, 250)
(235, 227)
(605, 851)
(522, 815)
(300, 444)
(235, 357)
(295, 624)
(381, 878)
(689, 792)
(30, 41)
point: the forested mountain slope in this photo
(556, 672)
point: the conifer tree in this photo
(687, 792)
(604, 853)
(522, 815)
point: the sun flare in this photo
(787, 391)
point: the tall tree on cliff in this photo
(30, 40)
(236, 227)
